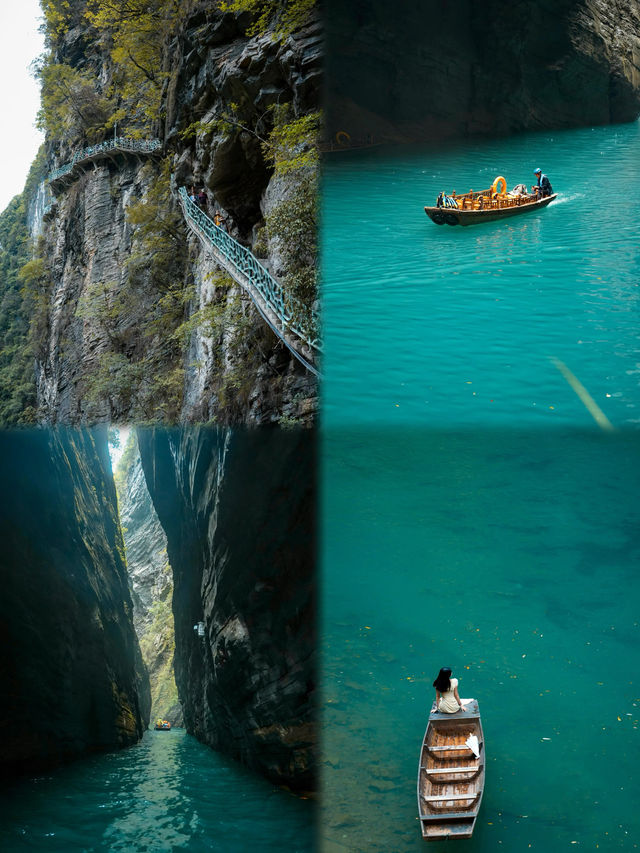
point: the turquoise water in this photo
(473, 513)
(167, 793)
(432, 325)
(513, 558)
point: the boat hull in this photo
(456, 216)
(450, 778)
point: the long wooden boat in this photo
(486, 205)
(450, 777)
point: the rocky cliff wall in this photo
(87, 243)
(410, 71)
(151, 582)
(72, 677)
(140, 325)
(237, 508)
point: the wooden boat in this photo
(450, 777)
(485, 205)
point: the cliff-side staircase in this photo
(292, 322)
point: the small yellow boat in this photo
(486, 205)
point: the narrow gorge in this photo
(219, 533)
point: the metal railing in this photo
(119, 143)
(293, 322)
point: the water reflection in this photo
(167, 793)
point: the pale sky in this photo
(116, 452)
(20, 44)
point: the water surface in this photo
(430, 325)
(167, 793)
(474, 515)
(513, 558)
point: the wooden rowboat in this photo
(485, 205)
(450, 777)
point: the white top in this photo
(448, 702)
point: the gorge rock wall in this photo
(237, 508)
(151, 583)
(72, 677)
(410, 71)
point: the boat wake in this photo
(564, 199)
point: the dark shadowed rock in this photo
(238, 511)
(72, 677)
(430, 70)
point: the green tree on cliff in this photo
(137, 34)
(284, 16)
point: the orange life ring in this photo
(494, 186)
(343, 135)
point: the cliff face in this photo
(430, 70)
(72, 676)
(137, 321)
(87, 245)
(237, 508)
(151, 582)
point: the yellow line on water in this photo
(585, 397)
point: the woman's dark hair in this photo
(443, 681)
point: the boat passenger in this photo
(447, 699)
(543, 188)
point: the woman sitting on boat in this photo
(447, 699)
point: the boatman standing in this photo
(543, 188)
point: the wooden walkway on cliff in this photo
(69, 172)
(296, 325)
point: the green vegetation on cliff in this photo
(293, 223)
(283, 16)
(86, 99)
(157, 645)
(17, 303)
(142, 367)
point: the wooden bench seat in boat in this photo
(445, 798)
(473, 768)
(458, 747)
(440, 818)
